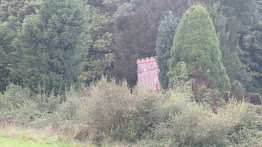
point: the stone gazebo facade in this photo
(147, 73)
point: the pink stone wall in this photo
(147, 73)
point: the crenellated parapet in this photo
(145, 60)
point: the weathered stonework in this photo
(147, 73)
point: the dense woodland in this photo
(71, 65)
(59, 44)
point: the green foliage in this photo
(17, 8)
(46, 103)
(16, 106)
(198, 126)
(196, 44)
(248, 130)
(243, 27)
(113, 112)
(135, 33)
(12, 15)
(20, 107)
(70, 116)
(181, 75)
(181, 91)
(48, 46)
(121, 8)
(252, 56)
(99, 42)
(8, 34)
(51, 46)
(16, 142)
(204, 96)
(107, 112)
(30, 137)
(13, 98)
(164, 42)
(226, 29)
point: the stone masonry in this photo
(147, 73)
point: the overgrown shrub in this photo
(69, 117)
(114, 113)
(148, 112)
(106, 112)
(236, 124)
(248, 130)
(16, 107)
(19, 106)
(47, 103)
(13, 98)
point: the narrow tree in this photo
(164, 42)
(196, 44)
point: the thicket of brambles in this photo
(54, 53)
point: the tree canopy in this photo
(51, 46)
(114, 34)
(196, 44)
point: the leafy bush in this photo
(69, 117)
(107, 112)
(19, 106)
(16, 106)
(113, 112)
(13, 98)
(248, 130)
(236, 124)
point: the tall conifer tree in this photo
(196, 44)
(164, 42)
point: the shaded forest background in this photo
(112, 34)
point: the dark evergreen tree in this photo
(12, 14)
(236, 70)
(243, 23)
(51, 46)
(18, 8)
(196, 44)
(8, 34)
(100, 56)
(252, 56)
(164, 42)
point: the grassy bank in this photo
(22, 142)
(22, 137)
